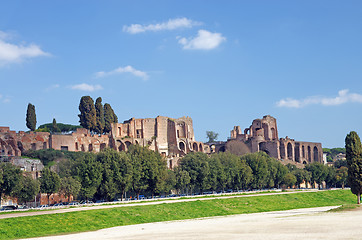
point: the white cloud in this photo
(204, 40)
(127, 69)
(12, 53)
(54, 86)
(86, 87)
(4, 99)
(344, 96)
(171, 24)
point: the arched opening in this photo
(290, 151)
(128, 144)
(82, 148)
(136, 142)
(297, 154)
(103, 146)
(76, 146)
(182, 146)
(121, 146)
(119, 131)
(195, 147)
(222, 149)
(273, 134)
(309, 155)
(315, 154)
(304, 162)
(282, 151)
(201, 148)
(263, 148)
(90, 147)
(303, 152)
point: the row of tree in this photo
(110, 174)
(96, 117)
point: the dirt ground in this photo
(309, 223)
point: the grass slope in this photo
(62, 223)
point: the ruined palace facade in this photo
(173, 138)
(262, 135)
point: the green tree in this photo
(9, 179)
(354, 163)
(49, 182)
(211, 136)
(149, 170)
(55, 127)
(87, 116)
(182, 180)
(27, 189)
(99, 116)
(342, 176)
(123, 173)
(109, 117)
(259, 166)
(69, 187)
(289, 180)
(31, 117)
(319, 173)
(196, 164)
(88, 171)
(301, 175)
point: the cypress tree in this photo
(87, 116)
(31, 117)
(99, 116)
(55, 126)
(354, 163)
(109, 117)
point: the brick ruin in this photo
(173, 138)
(262, 135)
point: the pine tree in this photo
(55, 126)
(109, 117)
(87, 116)
(31, 117)
(354, 163)
(99, 116)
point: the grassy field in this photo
(62, 223)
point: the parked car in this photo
(9, 208)
(74, 203)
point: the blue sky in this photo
(223, 63)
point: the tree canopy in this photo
(87, 116)
(31, 117)
(354, 163)
(211, 136)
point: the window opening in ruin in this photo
(273, 135)
(119, 131)
(33, 146)
(178, 133)
(76, 146)
(290, 151)
(297, 154)
(90, 148)
(282, 151)
(303, 152)
(103, 146)
(138, 133)
(309, 154)
(64, 148)
(170, 164)
(315, 153)
(194, 147)
(200, 148)
(82, 148)
(44, 145)
(182, 146)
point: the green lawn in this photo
(62, 223)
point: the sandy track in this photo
(309, 223)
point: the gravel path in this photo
(308, 223)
